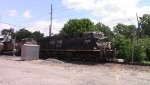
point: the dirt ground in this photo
(55, 72)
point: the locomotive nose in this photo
(102, 43)
(108, 45)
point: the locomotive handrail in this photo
(66, 50)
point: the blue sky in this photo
(34, 14)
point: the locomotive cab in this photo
(102, 42)
(96, 41)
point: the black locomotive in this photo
(84, 46)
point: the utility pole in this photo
(134, 36)
(138, 21)
(139, 28)
(0, 23)
(50, 26)
(133, 40)
(0, 18)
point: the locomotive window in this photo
(87, 41)
(87, 36)
(79, 36)
(58, 43)
(106, 39)
(52, 42)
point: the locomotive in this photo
(11, 46)
(7, 44)
(82, 46)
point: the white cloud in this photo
(113, 8)
(12, 12)
(4, 26)
(78, 4)
(110, 11)
(94, 20)
(26, 14)
(43, 26)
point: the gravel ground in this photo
(56, 72)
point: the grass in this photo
(146, 62)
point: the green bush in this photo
(140, 54)
(140, 49)
(123, 46)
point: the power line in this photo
(12, 24)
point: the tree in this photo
(145, 25)
(4, 31)
(123, 40)
(123, 46)
(22, 33)
(8, 32)
(37, 35)
(126, 30)
(78, 26)
(140, 53)
(141, 46)
(105, 29)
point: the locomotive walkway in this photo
(55, 72)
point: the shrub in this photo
(140, 54)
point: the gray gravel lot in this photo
(56, 72)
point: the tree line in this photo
(23, 33)
(121, 36)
